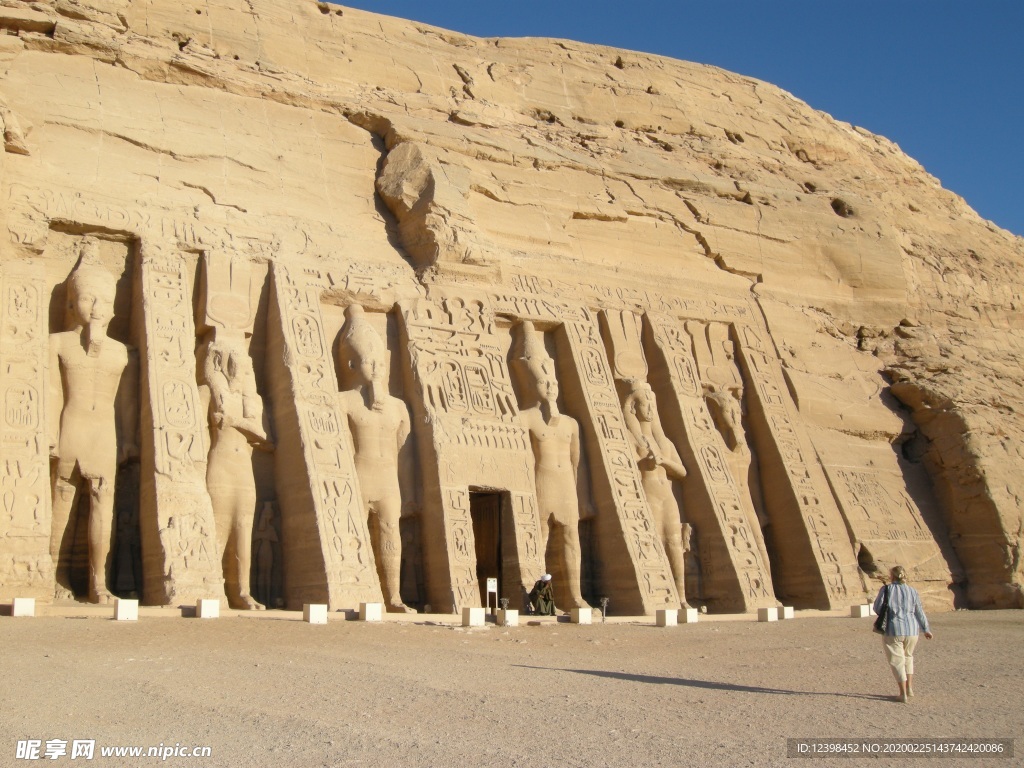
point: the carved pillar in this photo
(816, 567)
(634, 570)
(180, 558)
(736, 578)
(328, 557)
(27, 570)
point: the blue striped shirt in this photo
(906, 616)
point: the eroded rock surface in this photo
(829, 338)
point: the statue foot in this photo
(400, 607)
(244, 602)
(101, 597)
(63, 593)
(579, 602)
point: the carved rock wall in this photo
(829, 337)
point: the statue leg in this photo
(572, 559)
(101, 524)
(222, 498)
(672, 535)
(389, 551)
(62, 531)
(240, 549)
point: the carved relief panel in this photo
(180, 559)
(24, 468)
(472, 437)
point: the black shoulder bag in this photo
(880, 621)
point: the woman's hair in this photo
(898, 573)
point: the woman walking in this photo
(904, 619)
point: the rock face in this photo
(390, 305)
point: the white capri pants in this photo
(899, 652)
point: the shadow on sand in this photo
(706, 684)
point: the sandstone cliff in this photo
(867, 320)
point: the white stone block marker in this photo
(508, 617)
(371, 611)
(786, 612)
(207, 609)
(688, 615)
(473, 617)
(768, 614)
(126, 610)
(860, 611)
(314, 613)
(667, 618)
(582, 615)
(23, 606)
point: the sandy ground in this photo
(274, 691)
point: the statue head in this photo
(535, 361)
(91, 290)
(361, 352)
(640, 401)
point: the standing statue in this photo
(555, 438)
(726, 409)
(236, 426)
(267, 541)
(91, 387)
(659, 464)
(379, 425)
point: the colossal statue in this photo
(379, 425)
(659, 464)
(555, 439)
(236, 426)
(726, 407)
(91, 388)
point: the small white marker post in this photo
(126, 610)
(492, 589)
(314, 613)
(23, 606)
(371, 611)
(207, 609)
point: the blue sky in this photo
(943, 79)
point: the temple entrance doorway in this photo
(486, 509)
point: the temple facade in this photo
(380, 326)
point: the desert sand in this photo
(273, 691)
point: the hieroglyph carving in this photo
(736, 573)
(318, 489)
(181, 561)
(24, 466)
(654, 581)
(471, 418)
(809, 496)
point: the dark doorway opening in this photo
(486, 509)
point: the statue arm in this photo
(587, 509)
(55, 394)
(406, 464)
(127, 408)
(669, 456)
